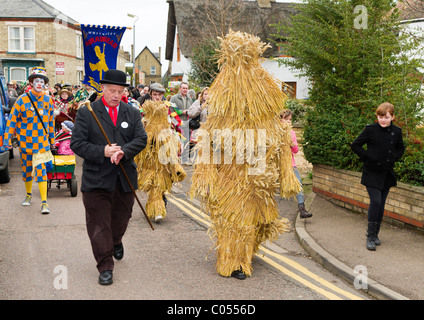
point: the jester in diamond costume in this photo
(158, 164)
(35, 134)
(243, 156)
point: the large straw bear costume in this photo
(236, 178)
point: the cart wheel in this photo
(74, 187)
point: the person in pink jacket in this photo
(286, 116)
(63, 138)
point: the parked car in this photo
(4, 106)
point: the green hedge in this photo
(328, 134)
(352, 69)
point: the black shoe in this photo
(370, 244)
(106, 278)
(303, 213)
(371, 235)
(377, 241)
(238, 274)
(118, 251)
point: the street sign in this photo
(60, 68)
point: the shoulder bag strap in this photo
(38, 115)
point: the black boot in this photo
(377, 230)
(303, 213)
(371, 234)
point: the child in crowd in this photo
(63, 138)
(286, 116)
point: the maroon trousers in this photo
(107, 217)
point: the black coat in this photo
(89, 143)
(384, 147)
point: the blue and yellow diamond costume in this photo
(32, 123)
(30, 132)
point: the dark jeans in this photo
(377, 203)
(107, 217)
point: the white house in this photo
(190, 21)
(412, 18)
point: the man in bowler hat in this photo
(107, 196)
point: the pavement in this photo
(335, 237)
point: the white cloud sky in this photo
(150, 28)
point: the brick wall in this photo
(405, 203)
(57, 43)
(53, 43)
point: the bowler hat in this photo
(117, 77)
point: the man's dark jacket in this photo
(384, 147)
(89, 143)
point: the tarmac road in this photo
(49, 257)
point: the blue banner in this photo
(101, 46)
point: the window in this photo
(79, 45)
(153, 70)
(22, 39)
(18, 74)
(80, 76)
(289, 89)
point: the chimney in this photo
(265, 3)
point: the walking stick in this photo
(88, 104)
